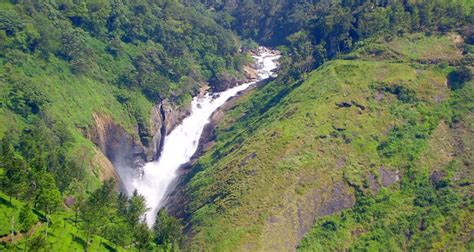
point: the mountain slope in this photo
(90, 86)
(66, 61)
(352, 131)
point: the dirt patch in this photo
(457, 39)
(7, 239)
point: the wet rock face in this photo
(117, 145)
(121, 148)
(165, 117)
(172, 115)
(223, 81)
(157, 130)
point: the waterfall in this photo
(180, 145)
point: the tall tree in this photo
(167, 230)
(48, 197)
(98, 208)
(15, 171)
(27, 218)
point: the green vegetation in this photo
(62, 232)
(363, 142)
(293, 152)
(315, 31)
(63, 64)
(105, 221)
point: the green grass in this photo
(411, 48)
(72, 101)
(283, 149)
(7, 211)
(63, 234)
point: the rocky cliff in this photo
(127, 150)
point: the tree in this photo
(27, 218)
(77, 51)
(167, 230)
(14, 179)
(119, 233)
(98, 208)
(10, 22)
(136, 208)
(459, 77)
(48, 198)
(79, 196)
(143, 236)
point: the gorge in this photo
(182, 142)
(163, 126)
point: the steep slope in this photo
(77, 65)
(291, 153)
(87, 87)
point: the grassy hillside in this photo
(75, 73)
(365, 134)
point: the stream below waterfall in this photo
(182, 142)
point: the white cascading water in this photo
(182, 142)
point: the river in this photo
(181, 143)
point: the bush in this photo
(458, 78)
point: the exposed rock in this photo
(287, 227)
(388, 177)
(173, 115)
(158, 130)
(358, 105)
(117, 145)
(247, 159)
(223, 81)
(339, 199)
(379, 96)
(373, 185)
(107, 170)
(250, 73)
(338, 128)
(165, 117)
(346, 104)
(118, 148)
(436, 177)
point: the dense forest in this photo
(404, 66)
(63, 60)
(315, 31)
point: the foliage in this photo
(458, 78)
(380, 107)
(167, 230)
(293, 151)
(328, 28)
(27, 218)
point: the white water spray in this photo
(182, 142)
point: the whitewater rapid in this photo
(180, 145)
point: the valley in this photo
(236, 125)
